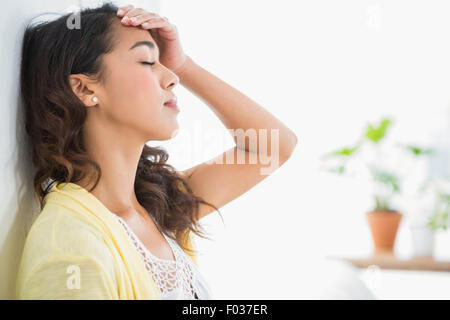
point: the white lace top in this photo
(175, 280)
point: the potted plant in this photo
(438, 214)
(441, 212)
(383, 219)
(423, 227)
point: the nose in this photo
(170, 79)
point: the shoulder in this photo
(59, 237)
(58, 230)
(60, 242)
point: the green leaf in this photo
(439, 219)
(386, 178)
(340, 169)
(445, 197)
(419, 151)
(345, 152)
(376, 133)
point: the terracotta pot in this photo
(384, 226)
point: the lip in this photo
(172, 103)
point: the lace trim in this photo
(169, 275)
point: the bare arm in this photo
(257, 134)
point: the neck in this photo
(117, 154)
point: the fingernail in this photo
(120, 11)
(133, 19)
(124, 19)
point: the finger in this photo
(152, 22)
(155, 24)
(128, 17)
(123, 10)
(144, 17)
(135, 12)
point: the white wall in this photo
(325, 68)
(17, 208)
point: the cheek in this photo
(143, 81)
(135, 95)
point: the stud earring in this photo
(95, 99)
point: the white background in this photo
(326, 69)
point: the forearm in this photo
(236, 110)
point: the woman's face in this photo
(134, 93)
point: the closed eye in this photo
(148, 63)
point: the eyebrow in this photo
(149, 44)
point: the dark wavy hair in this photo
(54, 118)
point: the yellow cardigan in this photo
(76, 249)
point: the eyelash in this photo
(149, 63)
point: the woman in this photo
(116, 219)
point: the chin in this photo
(174, 133)
(166, 135)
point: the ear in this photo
(83, 89)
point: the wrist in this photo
(184, 68)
